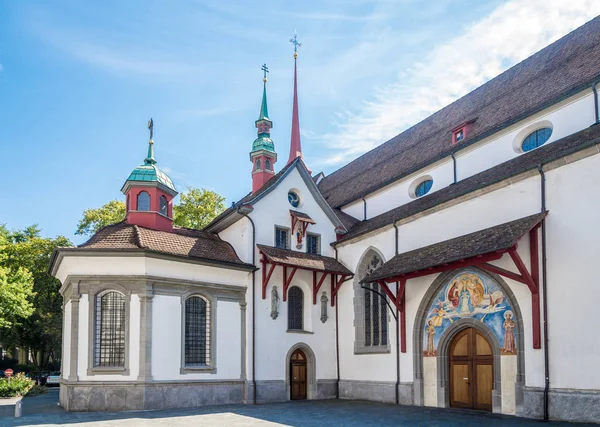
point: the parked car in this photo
(53, 379)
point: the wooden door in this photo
(298, 375)
(471, 371)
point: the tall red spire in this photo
(295, 145)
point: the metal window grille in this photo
(313, 244)
(295, 308)
(110, 330)
(376, 328)
(143, 201)
(197, 331)
(281, 238)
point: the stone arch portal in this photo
(311, 370)
(461, 299)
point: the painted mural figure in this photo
(470, 295)
(430, 336)
(510, 346)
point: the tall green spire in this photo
(264, 124)
(149, 160)
(264, 110)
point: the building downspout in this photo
(253, 307)
(397, 328)
(453, 167)
(364, 209)
(337, 342)
(596, 112)
(544, 294)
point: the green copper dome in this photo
(149, 172)
(263, 142)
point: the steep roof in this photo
(182, 242)
(499, 238)
(527, 161)
(562, 69)
(303, 260)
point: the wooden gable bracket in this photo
(287, 280)
(266, 276)
(317, 286)
(337, 284)
(399, 302)
(532, 280)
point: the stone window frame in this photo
(94, 292)
(359, 313)
(211, 367)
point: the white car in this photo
(53, 379)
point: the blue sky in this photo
(79, 80)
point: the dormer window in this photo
(460, 132)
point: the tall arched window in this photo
(109, 339)
(197, 331)
(143, 201)
(164, 206)
(536, 139)
(295, 308)
(257, 164)
(375, 309)
(268, 164)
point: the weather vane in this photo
(296, 44)
(151, 127)
(265, 70)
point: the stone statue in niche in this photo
(324, 301)
(274, 303)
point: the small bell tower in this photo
(263, 155)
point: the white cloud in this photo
(509, 34)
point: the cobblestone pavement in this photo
(309, 413)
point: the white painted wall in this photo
(66, 342)
(167, 346)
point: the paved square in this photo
(307, 413)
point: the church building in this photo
(451, 266)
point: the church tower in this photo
(263, 155)
(150, 193)
(295, 144)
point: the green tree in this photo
(16, 289)
(197, 208)
(94, 219)
(41, 332)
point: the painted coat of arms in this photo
(469, 295)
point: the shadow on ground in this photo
(307, 413)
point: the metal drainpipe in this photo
(544, 296)
(454, 165)
(596, 112)
(253, 307)
(337, 342)
(397, 330)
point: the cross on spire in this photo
(265, 70)
(296, 43)
(151, 127)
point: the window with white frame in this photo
(313, 244)
(109, 330)
(281, 238)
(197, 332)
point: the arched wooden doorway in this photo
(471, 370)
(298, 381)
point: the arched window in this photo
(536, 139)
(423, 188)
(295, 308)
(109, 339)
(375, 309)
(164, 206)
(257, 164)
(143, 201)
(197, 331)
(268, 164)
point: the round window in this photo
(536, 139)
(294, 199)
(423, 188)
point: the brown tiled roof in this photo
(183, 242)
(303, 260)
(348, 220)
(554, 73)
(527, 161)
(302, 216)
(499, 238)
